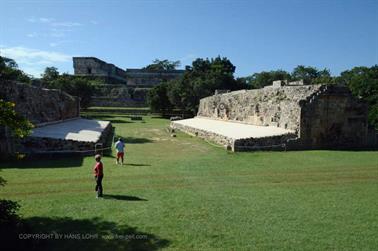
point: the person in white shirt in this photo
(120, 147)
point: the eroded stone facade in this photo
(94, 67)
(143, 78)
(40, 105)
(269, 106)
(321, 116)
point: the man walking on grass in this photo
(120, 147)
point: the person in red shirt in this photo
(99, 174)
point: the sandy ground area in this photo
(78, 130)
(232, 129)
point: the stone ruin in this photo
(91, 66)
(118, 80)
(142, 78)
(40, 105)
(56, 117)
(312, 117)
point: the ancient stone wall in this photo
(334, 118)
(321, 116)
(91, 66)
(40, 105)
(268, 106)
(143, 78)
(94, 67)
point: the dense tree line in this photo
(363, 82)
(309, 75)
(9, 71)
(199, 80)
(162, 65)
(73, 85)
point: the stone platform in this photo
(234, 135)
(77, 129)
(72, 135)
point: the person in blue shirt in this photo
(120, 147)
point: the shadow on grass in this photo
(123, 197)
(118, 121)
(132, 140)
(91, 234)
(132, 164)
(101, 115)
(44, 162)
(110, 118)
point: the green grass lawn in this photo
(182, 193)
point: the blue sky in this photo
(254, 35)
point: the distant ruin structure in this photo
(94, 67)
(142, 78)
(298, 117)
(122, 87)
(146, 79)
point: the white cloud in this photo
(54, 23)
(33, 34)
(57, 34)
(31, 20)
(60, 42)
(33, 61)
(46, 20)
(66, 24)
(40, 20)
(57, 28)
(61, 30)
(18, 53)
(94, 22)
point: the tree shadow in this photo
(123, 197)
(118, 121)
(90, 234)
(131, 164)
(132, 140)
(97, 115)
(44, 161)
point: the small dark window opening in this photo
(89, 70)
(257, 109)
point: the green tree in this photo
(363, 83)
(50, 74)
(158, 100)
(200, 80)
(9, 71)
(10, 222)
(73, 85)
(311, 75)
(162, 65)
(265, 78)
(19, 125)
